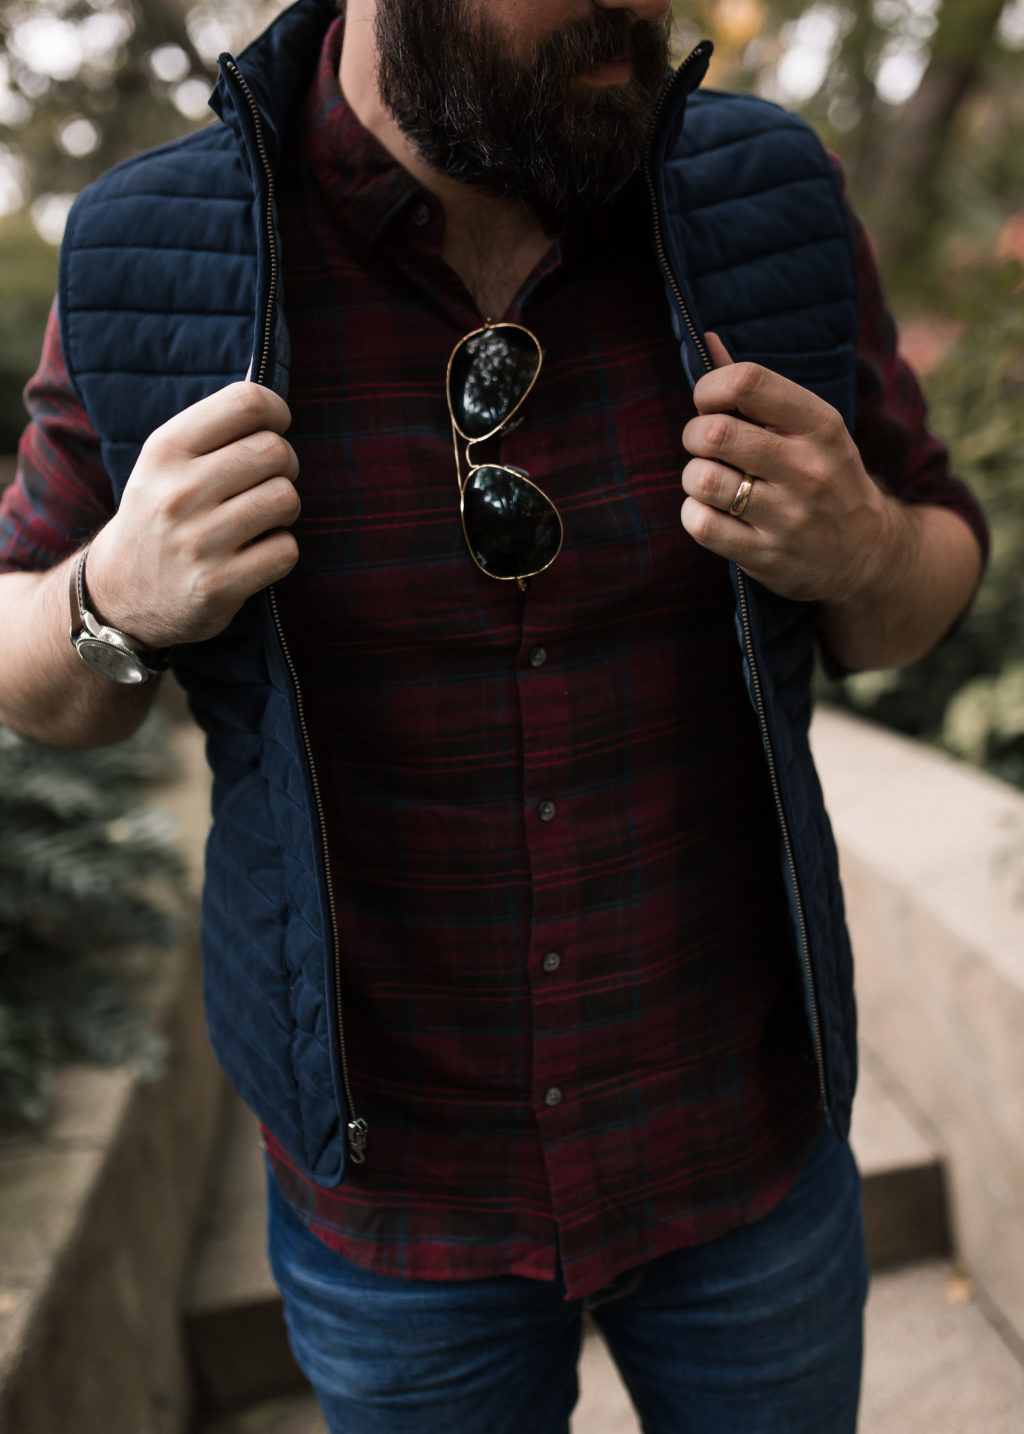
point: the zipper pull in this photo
(358, 1134)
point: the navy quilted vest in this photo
(169, 289)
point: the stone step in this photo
(933, 1365)
(234, 1329)
(904, 1199)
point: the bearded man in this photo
(522, 927)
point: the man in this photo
(522, 927)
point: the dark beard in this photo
(530, 133)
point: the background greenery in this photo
(90, 890)
(922, 99)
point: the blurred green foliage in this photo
(28, 275)
(91, 884)
(969, 694)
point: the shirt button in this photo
(538, 657)
(546, 811)
(551, 961)
(552, 1096)
(421, 215)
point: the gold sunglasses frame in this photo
(488, 327)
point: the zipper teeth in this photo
(257, 119)
(695, 54)
(780, 811)
(357, 1128)
(659, 245)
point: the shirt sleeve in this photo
(891, 428)
(61, 493)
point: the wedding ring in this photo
(742, 498)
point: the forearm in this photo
(922, 580)
(46, 691)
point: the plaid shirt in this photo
(573, 1015)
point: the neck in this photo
(492, 244)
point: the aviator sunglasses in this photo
(512, 529)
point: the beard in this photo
(529, 131)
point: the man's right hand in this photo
(203, 520)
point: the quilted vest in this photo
(169, 289)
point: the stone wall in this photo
(932, 855)
(97, 1214)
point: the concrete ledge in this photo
(932, 854)
(96, 1214)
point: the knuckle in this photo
(268, 448)
(718, 431)
(249, 401)
(748, 377)
(282, 555)
(284, 500)
(205, 587)
(819, 470)
(700, 521)
(833, 426)
(171, 504)
(157, 451)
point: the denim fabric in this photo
(758, 1332)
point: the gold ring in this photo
(742, 498)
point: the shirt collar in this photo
(363, 185)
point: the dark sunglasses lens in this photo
(511, 528)
(489, 375)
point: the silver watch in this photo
(108, 650)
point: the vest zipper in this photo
(697, 53)
(357, 1130)
(744, 602)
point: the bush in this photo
(90, 888)
(969, 694)
(28, 277)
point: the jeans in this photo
(757, 1332)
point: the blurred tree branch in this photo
(908, 174)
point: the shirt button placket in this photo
(546, 713)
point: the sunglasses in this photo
(512, 529)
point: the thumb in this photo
(720, 355)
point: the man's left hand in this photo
(816, 526)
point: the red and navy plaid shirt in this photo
(574, 1017)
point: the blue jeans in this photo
(758, 1332)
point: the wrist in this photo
(883, 551)
(103, 646)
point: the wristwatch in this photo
(108, 650)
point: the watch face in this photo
(117, 663)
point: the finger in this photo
(720, 533)
(720, 355)
(244, 464)
(717, 485)
(762, 396)
(242, 519)
(267, 560)
(736, 443)
(224, 417)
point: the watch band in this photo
(124, 657)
